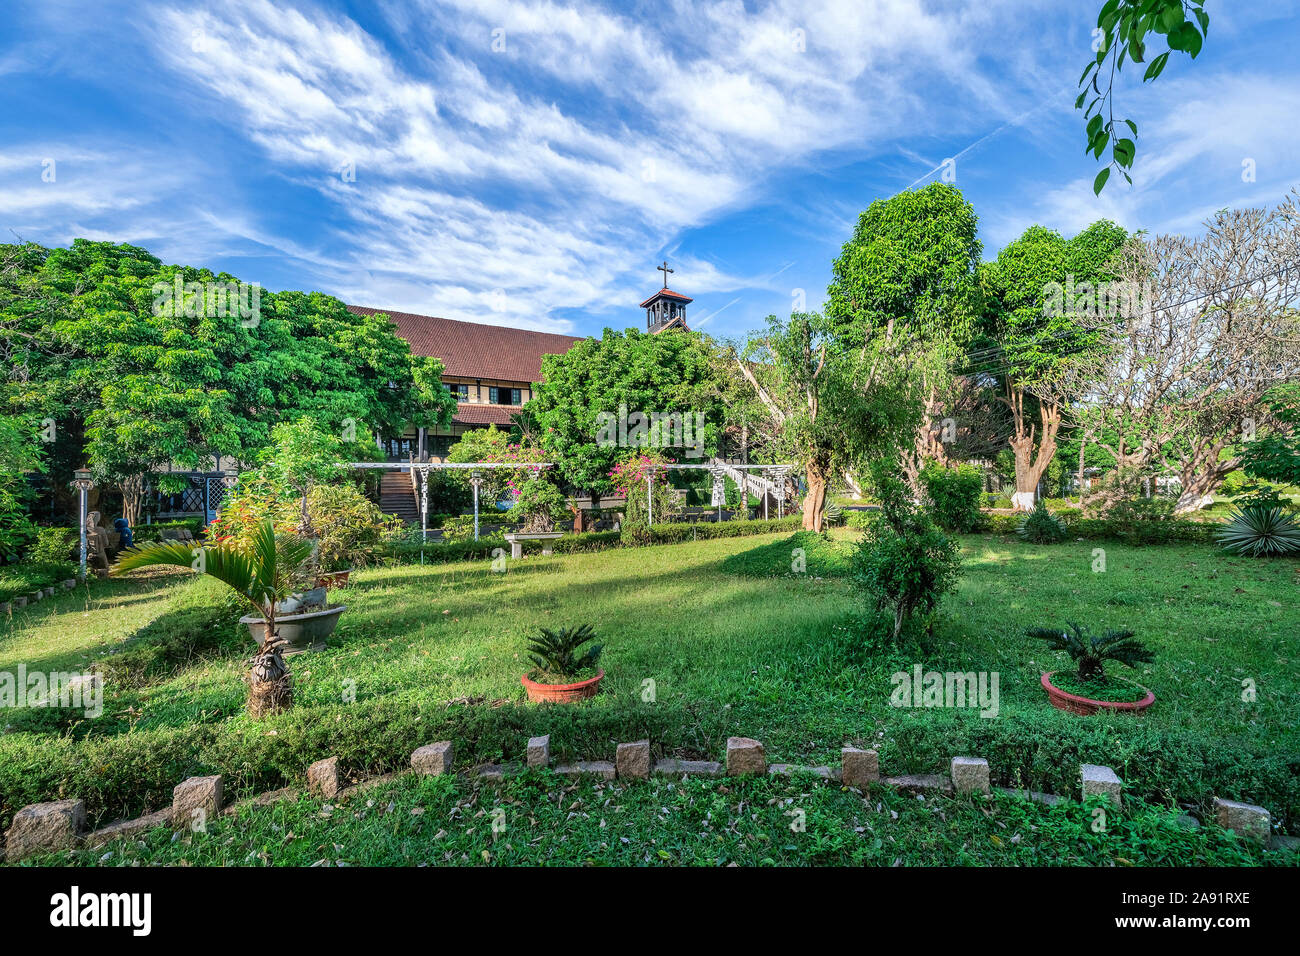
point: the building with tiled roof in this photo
(491, 369)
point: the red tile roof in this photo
(472, 350)
(476, 414)
(667, 294)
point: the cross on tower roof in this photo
(665, 270)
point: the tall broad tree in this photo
(1035, 335)
(908, 280)
(140, 365)
(599, 403)
(828, 408)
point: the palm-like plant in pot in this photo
(1088, 688)
(263, 576)
(563, 666)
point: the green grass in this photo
(693, 654)
(804, 553)
(538, 819)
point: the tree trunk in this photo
(132, 498)
(814, 503)
(1199, 479)
(1031, 458)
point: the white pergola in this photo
(421, 469)
(778, 473)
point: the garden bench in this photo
(518, 538)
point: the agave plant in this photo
(557, 654)
(1042, 527)
(1260, 532)
(1089, 652)
(262, 577)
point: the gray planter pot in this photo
(69, 584)
(4, 608)
(304, 632)
(20, 602)
(49, 591)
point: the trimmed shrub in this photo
(701, 530)
(954, 496)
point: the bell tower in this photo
(665, 309)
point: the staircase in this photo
(397, 496)
(749, 482)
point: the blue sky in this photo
(531, 163)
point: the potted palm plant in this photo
(263, 576)
(564, 671)
(1088, 688)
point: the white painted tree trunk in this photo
(1023, 501)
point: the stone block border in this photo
(60, 824)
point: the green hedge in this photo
(1143, 531)
(20, 580)
(1043, 752)
(145, 533)
(130, 773)
(436, 552)
(678, 531)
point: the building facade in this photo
(491, 370)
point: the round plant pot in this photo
(1074, 704)
(69, 584)
(303, 632)
(561, 693)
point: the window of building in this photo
(504, 396)
(461, 392)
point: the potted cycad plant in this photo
(565, 671)
(1088, 688)
(263, 576)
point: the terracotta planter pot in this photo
(1074, 704)
(561, 693)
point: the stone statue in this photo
(96, 541)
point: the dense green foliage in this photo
(134, 379)
(909, 270)
(954, 496)
(575, 411)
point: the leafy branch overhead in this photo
(1123, 30)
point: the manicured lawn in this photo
(540, 820)
(694, 653)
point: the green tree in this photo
(1036, 335)
(601, 398)
(908, 280)
(830, 409)
(1276, 456)
(137, 377)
